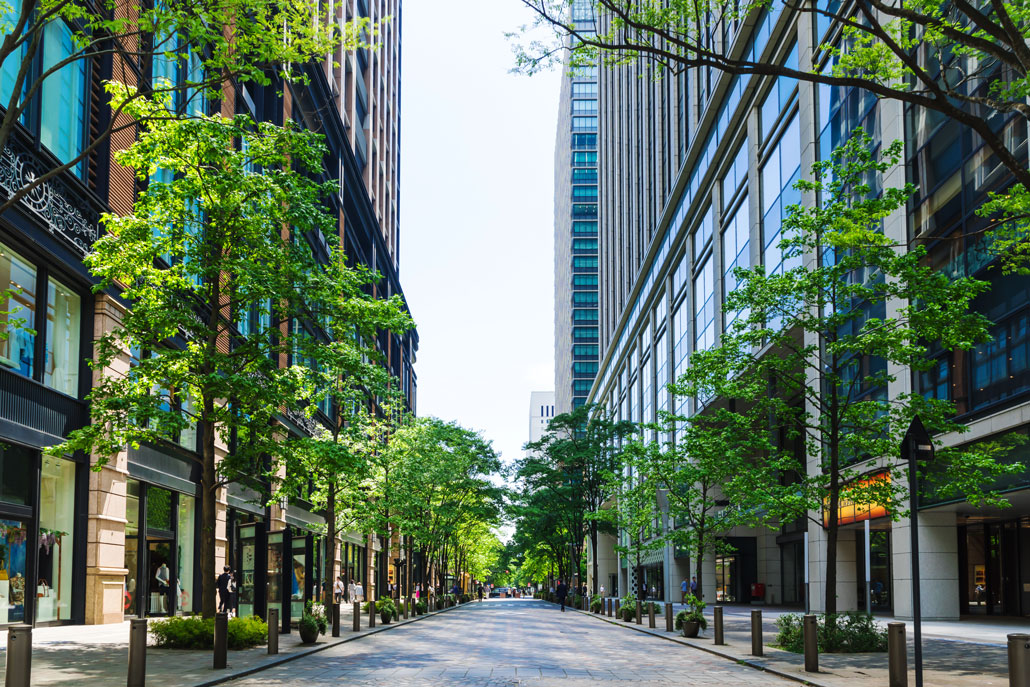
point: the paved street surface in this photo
(506, 643)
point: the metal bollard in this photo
(221, 640)
(137, 652)
(371, 613)
(273, 631)
(640, 612)
(756, 633)
(1019, 660)
(19, 656)
(720, 637)
(650, 614)
(617, 610)
(404, 605)
(336, 620)
(357, 616)
(668, 618)
(897, 655)
(611, 604)
(811, 640)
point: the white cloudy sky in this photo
(476, 215)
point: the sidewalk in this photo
(97, 655)
(966, 653)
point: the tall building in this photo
(80, 546)
(575, 233)
(541, 410)
(697, 173)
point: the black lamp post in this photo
(916, 447)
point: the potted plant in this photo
(693, 620)
(628, 608)
(387, 609)
(312, 622)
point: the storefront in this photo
(41, 538)
(735, 570)
(161, 536)
(994, 566)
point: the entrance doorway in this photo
(161, 600)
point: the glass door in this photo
(726, 579)
(275, 571)
(247, 569)
(298, 578)
(13, 539)
(159, 566)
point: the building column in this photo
(105, 526)
(938, 566)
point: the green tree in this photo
(268, 38)
(967, 61)
(573, 461)
(815, 346)
(206, 266)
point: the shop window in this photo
(185, 541)
(132, 586)
(13, 550)
(56, 540)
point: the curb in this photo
(321, 647)
(714, 652)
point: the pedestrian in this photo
(684, 588)
(562, 591)
(693, 587)
(602, 591)
(338, 589)
(480, 592)
(352, 593)
(222, 584)
(359, 591)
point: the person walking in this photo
(561, 592)
(693, 586)
(338, 589)
(222, 584)
(479, 591)
(684, 588)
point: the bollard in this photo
(137, 652)
(1019, 660)
(650, 614)
(668, 618)
(357, 616)
(273, 631)
(611, 603)
(756, 633)
(19, 656)
(371, 613)
(404, 605)
(897, 655)
(640, 612)
(221, 640)
(719, 636)
(811, 640)
(617, 610)
(336, 620)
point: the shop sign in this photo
(849, 512)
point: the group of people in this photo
(354, 590)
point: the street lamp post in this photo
(917, 441)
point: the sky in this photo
(476, 218)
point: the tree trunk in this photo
(208, 517)
(593, 546)
(831, 557)
(370, 566)
(330, 544)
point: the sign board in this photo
(849, 512)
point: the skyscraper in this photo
(575, 233)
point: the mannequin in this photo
(163, 576)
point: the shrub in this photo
(314, 616)
(694, 614)
(848, 633)
(386, 605)
(421, 607)
(596, 603)
(194, 632)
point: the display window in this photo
(56, 541)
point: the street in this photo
(509, 642)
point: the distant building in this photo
(541, 410)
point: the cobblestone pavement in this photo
(507, 643)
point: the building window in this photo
(584, 333)
(584, 124)
(63, 97)
(586, 158)
(583, 210)
(584, 228)
(18, 298)
(584, 90)
(780, 172)
(584, 107)
(736, 248)
(584, 315)
(584, 142)
(585, 176)
(585, 351)
(584, 244)
(584, 194)
(584, 298)
(584, 280)
(584, 368)
(583, 262)
(64, 308)
(704, 306)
